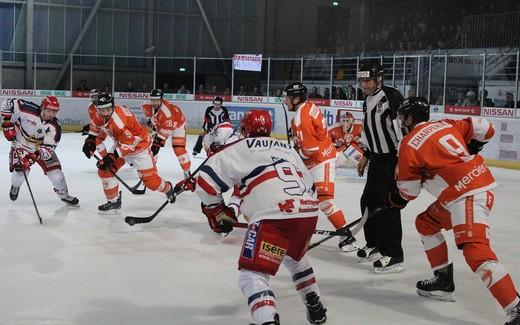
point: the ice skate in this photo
(348, 242)
(368, 254)
(111, 207)
(13, 193)
(387, 264)
(276, 321)
(440, 287)
(71, 201)
(316, 313)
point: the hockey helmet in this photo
(256, 123)
(156, 94)
(296, 89)
(50, 103)
(417, 107)
(371, 70)
(105, 100)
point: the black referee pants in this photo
(383, 230)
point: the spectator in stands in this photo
(339, 93)
(130, 86)
(166, 88)
(227, 92)
(461, 97)
(256, 91)
(201, 90)
(487, 101)
(241, 91)
(183, 90)
(107, 88)
(452, 97)
(83, 85)
(351, 93)
(213, 90)
(144, 88)
(278, 92)
(471, 99)
(510, 102)
(438, 100)
(314, 93)
(326, 93)
(412, 92)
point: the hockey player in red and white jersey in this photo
(345, 135)
(131, 144)
(35, 133)
(167, 120)
(278, 197)
(442, 156)
(219, 135)
(309, 133)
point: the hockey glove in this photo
(25, 159)
(157, 144)
(474, 146)
(107, 162)
(220, 217)
(9, 130)
(89, 146)
(395, 200)
(188, 184)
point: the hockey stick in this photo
(134, 189)
(316, 231)
(286, 121)
(32, 197)
(360, 222)
(134, 220)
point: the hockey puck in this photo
(130, 221)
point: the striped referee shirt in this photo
(381, 133)
(213, 117)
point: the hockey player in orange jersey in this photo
(309, 133)
(167, 119)
(442, 156)
(345, 135)
(131, 144)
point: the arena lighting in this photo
(335, 3)
(182, 69)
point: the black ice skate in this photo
(13, 193)
(440, 287)
(111, 207)
(276, 321)
(368, 254)
(71, 201)
(347, 243)
(316, 313)
(388, 264)
(514, 315)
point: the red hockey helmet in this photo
(256, 123)
(50, 102)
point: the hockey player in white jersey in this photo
(278, 197)
(35, 133)
(221, 134)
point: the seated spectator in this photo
(510, 102)
(487, 101)
(451, 99)
(278, 92)
(326, 93)
(227, 92)
(339, 93)
(183, 90)
(201, 90)
(144, 88)
(314, 93)
(166, 88)
(130, 86)
(241, 91)
(471, 99)
(461, 97)
(256, 91)
(107, 88)
(83, 85)
(213, 90)
(351, 93)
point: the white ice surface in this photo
(84, 268)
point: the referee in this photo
(215, 114)
(381, 134)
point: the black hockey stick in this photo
(134, 189)
(32, 197)
(361, 221)
(134, 220)
(286, 121)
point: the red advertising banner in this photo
(462, 110)
(499, 112)
(320, 101)
(209, 98)
(78, 93)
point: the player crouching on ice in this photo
(443, 156)
(131, 144)
(278, 197)
(345, 135)
(35, 133)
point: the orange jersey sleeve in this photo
(168, 117)
(310, 135)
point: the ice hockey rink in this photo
(80, 267)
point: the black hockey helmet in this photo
(105, 100)
(156, 94)
(417, 107)
(370, 70)
(296, 89)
